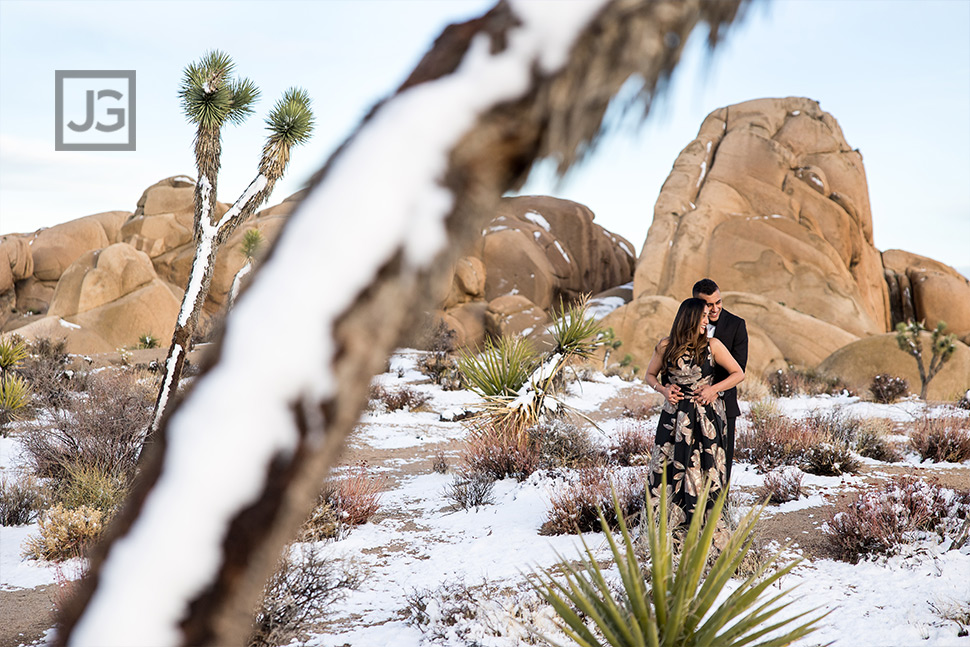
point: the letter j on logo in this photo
(94, 110)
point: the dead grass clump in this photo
(878, 520)
(440, 463)
(782, 485)
(575, 507)
(299, 595)
(501, 451)
(322, 524)
(20, 501)
(446, 610)
(957, 611)
(404, 398)
(872, 441)
(357, 497)
(944, 439)
(633, 444)
(829, 458)
(888, 388)
(64, 533)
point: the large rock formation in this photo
(769, 199)
(536, 252)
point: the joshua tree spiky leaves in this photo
(211, 98)
(515, 86)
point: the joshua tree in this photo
(908, 337)
(211, 98)
(238, 467)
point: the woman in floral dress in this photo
(690, 436)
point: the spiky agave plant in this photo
(15, 395)
(678, 607)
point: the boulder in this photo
(16, 260)
(33, 295)
(514, 314)
(468, 322)
(862, 360)
(55, 248)
(176, 193)
(801, 339)
(150, 309)
(925, 290)
(769, 199)
(99, 277)
(545, 248)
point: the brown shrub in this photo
(501, 451)
(781, 486)
(878, 520)
(872, 441)
(357, 497)
(398, 399)
(576, 507)
(773, 440)
(944, 439)
(633, 444)
(64, 534)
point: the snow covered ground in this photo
(462, 572)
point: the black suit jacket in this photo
(733, 333)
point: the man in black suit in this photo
(733, 333)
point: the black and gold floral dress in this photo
(690, 441)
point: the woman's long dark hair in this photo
(684, 333)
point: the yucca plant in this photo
(678, 606)
(14, 398)
(500, 369)
(13, 352)
(252, 242)
(576, 334)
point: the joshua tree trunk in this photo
(378, 222)
(210, 234)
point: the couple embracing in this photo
(697, 369)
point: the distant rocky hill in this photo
(769, 200)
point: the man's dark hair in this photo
(704, 286)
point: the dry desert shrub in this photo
(357, 496)
(101, 429)
(299, 595)
(562, 444)
(576, 506)
(322, 524)
(880, 519)
(795, 381)
(872, 441)
(20, 501)
(500, 451)
(753, 389)
(64, 533)
(773, 440)
(470, 490)
(404, 398)
(440, 463)
(944, 439)
(782, 485)
(888, 388)
(633, 444)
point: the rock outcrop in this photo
(769, 199)
(537, 251)
(921, 289)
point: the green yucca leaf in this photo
(251, 243)
(13, 351)
(574, 332)
(14, 397)
(500, 369)
(671, 613)
(243, 94)
(291, 120)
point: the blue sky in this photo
(894, 73)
